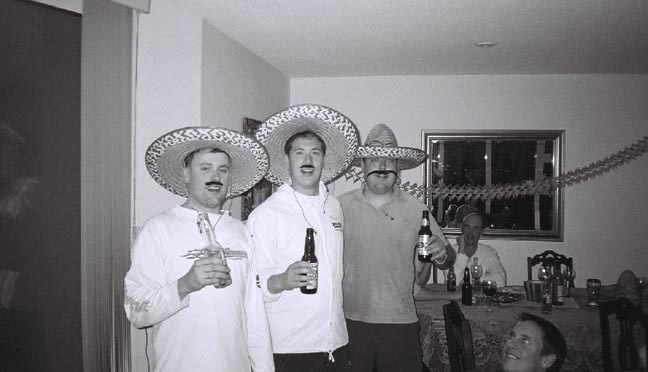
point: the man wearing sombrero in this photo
(309, 146)
(380, 265)
(200, 298)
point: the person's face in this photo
(380, 174)
(471, 229)
(522, 350)
(305, 163)
(208, 180)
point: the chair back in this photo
(459, 338)
(549, 258)
(628, 316)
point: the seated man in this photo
(469, 248)
(534, 344)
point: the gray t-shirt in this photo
(379, 254)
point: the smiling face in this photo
(305, 162)
(522, 351)
(471, 229)
(380, 174)
(207, 176)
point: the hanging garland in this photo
(508, 191)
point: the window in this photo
(504, 175)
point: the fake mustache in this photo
(383, 172)
(214, 183)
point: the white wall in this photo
(237, 84)
(605, 227)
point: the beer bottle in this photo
(207, 231)
(558, 286)
(466, 289)
(547, 295)
(309, 256)
(213, 246)
(451, 280)
(424, 237)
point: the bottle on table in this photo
(309, 256)
(466, 289)
(424, 238)
(547, 299)
(557, 287)
(451, 280)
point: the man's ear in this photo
(548, 360)
(185, 175)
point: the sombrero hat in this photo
(336, 130)
(381, 143)
(165, 157)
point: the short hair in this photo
(473, 214)
(305, 134)
(553, 341)
(211, 150)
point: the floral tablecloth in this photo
(580, 326)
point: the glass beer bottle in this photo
(309, 256)
(451, 280)
(466, 289)
(424, 238)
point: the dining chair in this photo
(459, 339)
(628, 316)
(549, 258)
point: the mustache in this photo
(214, 183)
(385, 172)
(307, 166)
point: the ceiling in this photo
(313, 38)
(307, 38)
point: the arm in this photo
(149, 299)
(443, 262)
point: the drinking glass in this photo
(570, 275)
(489, 288)
(543, 273)
(476, 273)
(593, 292)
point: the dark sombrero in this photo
(336, 130)
(381, 143)
(165, 157)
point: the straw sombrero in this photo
(165, 157)
(336, 130)
(381, 143)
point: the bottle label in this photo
(422, 243)
(312, 278)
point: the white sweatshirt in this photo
(301, 323)
(213, 329)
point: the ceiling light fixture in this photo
(485, 44)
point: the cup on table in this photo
(533, 290)
(593, 292)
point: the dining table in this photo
(579, 324)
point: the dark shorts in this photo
(313, 362)
(384, 347)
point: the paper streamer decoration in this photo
(509, 191)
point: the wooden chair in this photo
(459, 338)
(549, 258)
(628, 315)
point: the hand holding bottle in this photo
(295, 276)
(211, 270)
